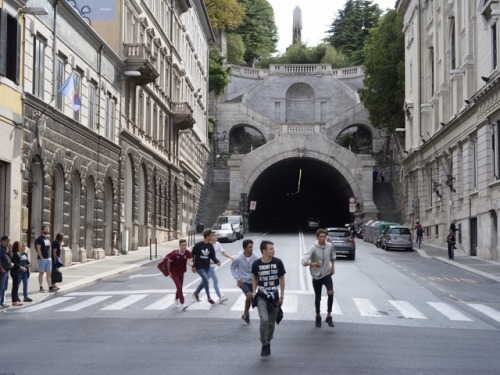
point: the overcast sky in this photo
(317, 16)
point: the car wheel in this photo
(352, 256)
(386, 248)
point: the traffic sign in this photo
(352, 200)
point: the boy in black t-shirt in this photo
(42, 246)
(268, 288)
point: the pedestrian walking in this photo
(177, 260)
(419, 229)
(25, 263)
(241, 269)
(5, 266)
(382, 176)
(56, 258)
(15, 273)
(42, 246)
(375, 175)
(451, 244)
(268, 291)
(219, 250)
(320, 258)
(203, 252)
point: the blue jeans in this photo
(204, 274)
(211, 275)
(4, 285)
(24, 279)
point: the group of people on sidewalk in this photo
(451, 239)
(14, 261)
(261, 279)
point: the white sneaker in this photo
(183, 306)
(222, 299)
(177, 303)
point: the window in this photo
(10, 46)
(494, 44)
(110, 119)
(432, 72)
(38, 66)
(148, 117)
(453, 62)
(495, 144)
(93, 120)
(474, 164)
(60, 63)
(78, 89)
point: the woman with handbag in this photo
(56, 260)
(15, 273)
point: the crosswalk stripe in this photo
(239, 304)
(44, 305)
(336, 310)
(162, 304)
(449, 311)
(486, 310)
(407, 310)
(124, 302)
(365, 307)
(83, 304)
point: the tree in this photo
(235, 49)
(218, 75)
(227, 14)
(258, 30)
(383, 95)
(301, 54)
(349, 29)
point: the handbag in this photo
(57, 276)
(162, 266)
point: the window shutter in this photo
(3, 42)
(18, 53)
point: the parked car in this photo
(226, 232)
(313, 223)
(342, 241)
(397, 237)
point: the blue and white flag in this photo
(70, 90)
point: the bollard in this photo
(150, 250)
(156, 248)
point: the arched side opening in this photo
(74, 228)
(89, 216)
(356, 138)
(108, 243)
(243, 139)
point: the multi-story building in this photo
(451, 163)
(164, 44)
(11, 119)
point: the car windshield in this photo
(399, 231)
(338, 233)
(225, 226)
(234, 219)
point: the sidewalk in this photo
(486, 268)
(85, 273)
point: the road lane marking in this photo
(450, 312)
(125, 302)
(365, 307)
(303, 285)
(163, 303)
(44, 305)
(486, 310)
(145, 275)
(407, 310)
(84, 304)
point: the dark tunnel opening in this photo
(293, 190)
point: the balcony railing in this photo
(138, 57)
(183, 115)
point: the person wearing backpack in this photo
(176, 268)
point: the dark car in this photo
(313, 223)
(342, 241)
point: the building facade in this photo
(451, 160)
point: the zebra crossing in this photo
(296, 306)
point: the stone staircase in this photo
(383, 197)
(218, 197)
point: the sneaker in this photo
(318, 321)
(269, 349)
(222, 299)
(196, 297)
(42, 290)
(329, 320)
(17, 303)
(5, 306)
(53, 289)
(211, 301)
(246, 318)
(28, 299)
(177, 303)
(266, 350)
(183, 306)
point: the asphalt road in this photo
(395, 313)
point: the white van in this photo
(236, 221)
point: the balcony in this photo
(138, 57)
(183, 116)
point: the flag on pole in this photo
(70, 90)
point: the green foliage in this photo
(350, 28)
(218, 74)
(227, 14)
(258, 30)
(383, 95)
(235, 49)
(301, 54)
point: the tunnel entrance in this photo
(293, 190)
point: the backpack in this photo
(162, 266)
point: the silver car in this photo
(226, 232)
(397, 237)
(342, 241)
